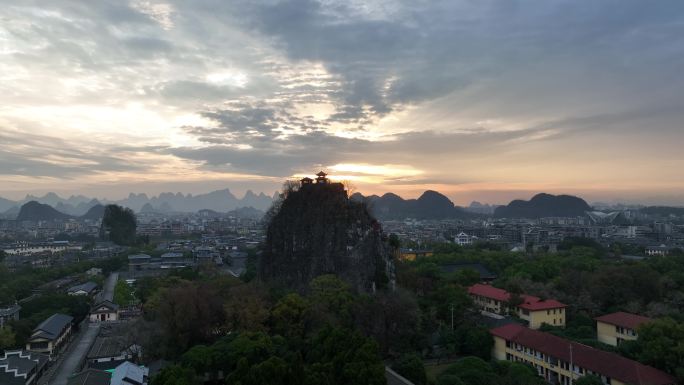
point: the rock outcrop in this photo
(316, 229)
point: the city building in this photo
(9, 313)
(104, 311)
(614, 328)
(412, 255)
(50, 335)
(463, 239)
(561, 361)
(19, 367)
(87, 288)
(661, 250)
(534, 310)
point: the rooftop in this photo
(129, 372)
(22, 361)
(87, 287)
(530, 302)
(598, 361)
(53, 326)
(627, 320)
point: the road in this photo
(108, 290)
(393, 378)
(75, 354)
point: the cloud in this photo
(462, 91)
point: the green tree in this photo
(118, 225)
(411, 367)
(123, 294)
(345, 357)
(332, 300)
(473, 371)
(449, 379)
(515, 373)
(176, 375)
(7, 338)
(290, 316)
(661, 344)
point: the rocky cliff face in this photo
(318, 230)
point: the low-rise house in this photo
(614, 328)
(128, 373)
(20, 367)
(104, 311)
(9, 313)
(561, 361)
(87, 288)
(111, 348)
(50, 335)
(534, 310)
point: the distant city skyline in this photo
(487, 100)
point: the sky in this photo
(478, 99)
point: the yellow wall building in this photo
(412, 255)
(614, 328)
(558, 360)
(534, 310)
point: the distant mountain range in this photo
(79, 205)
(544, 205)
(430, 205)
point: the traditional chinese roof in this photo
(321, 174)
(607, 364)
(627, 320)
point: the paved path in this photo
(394, 378)
(76, 353)
(110, 283)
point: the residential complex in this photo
(534, 310)
(614, 328)
(561, 361)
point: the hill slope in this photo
(544, 205)
(318, 230)
(430, 205)
(34, 211)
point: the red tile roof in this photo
(598, 361)
(627, 320)
(530, 302)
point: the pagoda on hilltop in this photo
(321, 178)
(321, 181)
